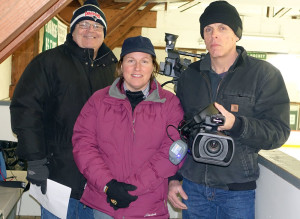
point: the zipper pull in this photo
(133, 122)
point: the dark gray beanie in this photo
(137, 44)
(89, 11)
(222, 12)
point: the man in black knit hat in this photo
(252, 96)
(48, 98)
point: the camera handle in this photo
(200, 56)
(168, 66)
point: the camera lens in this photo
(213, 147)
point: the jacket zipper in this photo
(218, 88)
(210, 95)
(208, 84)
(133, 123)
(92, 61)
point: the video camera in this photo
(174, 65)
(204, 142)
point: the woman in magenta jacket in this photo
(121, 142)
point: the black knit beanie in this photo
(89, 11)
(222, 12)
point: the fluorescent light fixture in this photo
(262, 37)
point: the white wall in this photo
(288, 65)
(275, 197)
(5, 78)
(5, 129)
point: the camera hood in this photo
(213, 148)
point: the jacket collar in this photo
(206, 61)
(117, 91)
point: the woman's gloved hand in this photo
(117, 194)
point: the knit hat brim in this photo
(91, 12)
(221, 12)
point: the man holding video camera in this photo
(252, 96)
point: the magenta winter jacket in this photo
(112, 142)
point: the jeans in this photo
(101, 215)
(2, 167)
(76, 210)
(210, 203)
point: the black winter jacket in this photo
(254, 91)
(47, 100)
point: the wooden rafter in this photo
(279, 13)
(108, 3)
(120, 24)
(111, 4)
(121, 18)
(124, 29)
(116, 5)
(81, 2)
(134, 31)
(9, 43)
(282, 12)
(27, 12)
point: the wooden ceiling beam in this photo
(27, 12)
(35, 20)
(134, 31)
(107, 3)
(126, 14)
(115, 6)
(67, 13)
(111, 4)
(124, 29)
(147, 20)
(81, 2)
(63, 20)
(281, 12)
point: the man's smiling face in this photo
(88, 37)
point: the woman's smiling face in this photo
(137, 68)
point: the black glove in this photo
(117, 194)
(37, 173)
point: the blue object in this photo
(207, 202)
(2, 168)
(75, 210)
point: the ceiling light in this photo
(262, 37)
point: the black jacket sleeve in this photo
(27, 111)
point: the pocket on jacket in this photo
(239, 102)
(151, 204)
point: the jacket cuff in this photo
(237, 127)
(177, 176)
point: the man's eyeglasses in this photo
(86, 25)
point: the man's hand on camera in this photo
(38, 173)
(175, 189)
(117, 194)
(229, 118)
